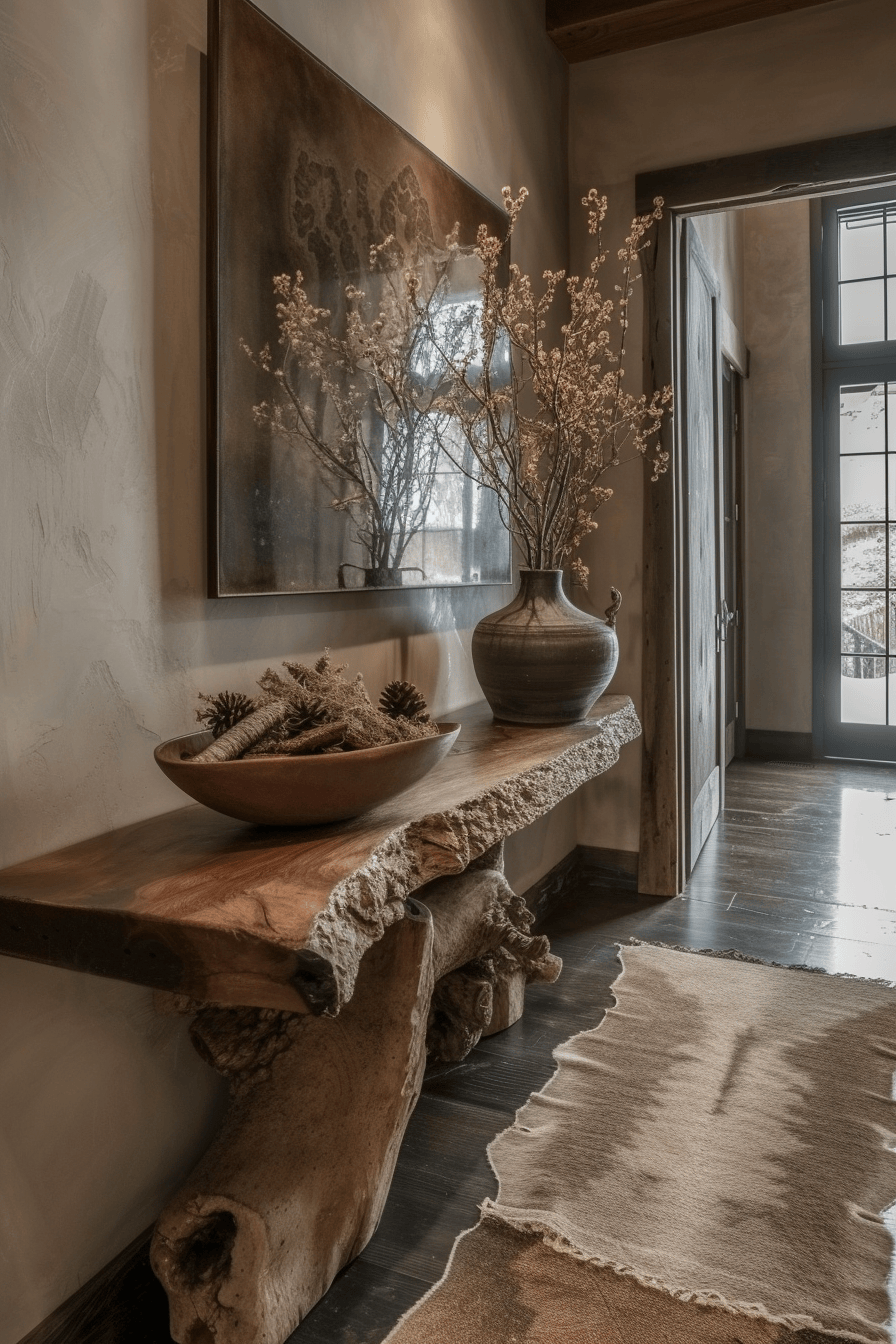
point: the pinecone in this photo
(402, 700)
(224, 711)
(311, 713)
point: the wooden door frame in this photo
(818, 168)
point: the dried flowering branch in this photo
(380, 381)
(543, 435)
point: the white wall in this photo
(106, 634)
(801, 76)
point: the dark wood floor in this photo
(800, 869)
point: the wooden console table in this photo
(316, 984)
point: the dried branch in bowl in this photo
(367, 726)
(306, 744)
(313, 709)
(232, 744)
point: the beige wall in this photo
(801, 76)
(106, 634)
(778, 468)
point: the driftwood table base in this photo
(293, 1187)
(294, 1184)
(321, 966)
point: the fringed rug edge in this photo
(528, 1221)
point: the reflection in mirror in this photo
(319, 487)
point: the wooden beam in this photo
(834, 164)
(585, 29)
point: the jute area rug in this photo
(709, 1164)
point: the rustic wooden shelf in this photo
(226, 913)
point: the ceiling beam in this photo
(584, 29)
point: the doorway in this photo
(802, 172)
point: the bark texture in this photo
(293, 1186)
(483, 957)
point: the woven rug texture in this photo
(711, 1163)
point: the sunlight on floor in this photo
(889, 1217)
(867, 862)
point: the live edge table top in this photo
(201, 905)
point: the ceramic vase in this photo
(541, 660)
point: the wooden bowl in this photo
(302, 790)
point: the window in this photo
(866, 273)
(859, 376)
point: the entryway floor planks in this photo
(800, 869)
(778, 879)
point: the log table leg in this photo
(483, 958)
(294, 1184)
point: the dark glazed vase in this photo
(540, 660)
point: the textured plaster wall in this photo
(106, 634)
(801, 76)
(778, 468)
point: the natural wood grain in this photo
(195, 903)
(585, 29)
(763, 905)
(293, 1186)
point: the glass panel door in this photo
(858, 359)
(860, 489)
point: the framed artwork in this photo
(306, 176)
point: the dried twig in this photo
(231, 745)
(315, 739)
